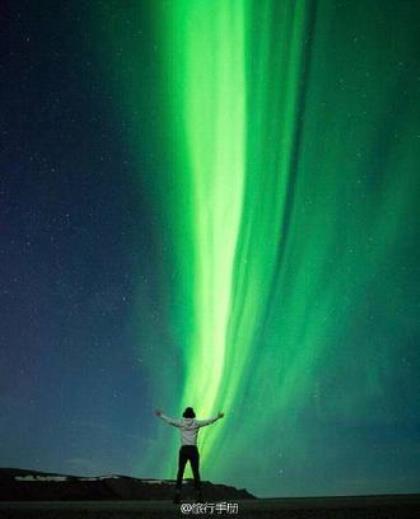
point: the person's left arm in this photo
(202, 423)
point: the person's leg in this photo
(182, 461)
(195, 465)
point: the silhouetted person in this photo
(189, 427)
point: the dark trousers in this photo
(189, 452)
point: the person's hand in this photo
(221, 415)
(158, 412)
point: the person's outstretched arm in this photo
(208, 421)
(170, 421)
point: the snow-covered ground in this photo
(35, 477)
(31, 477)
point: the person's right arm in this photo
(208, 421)
(167, 419)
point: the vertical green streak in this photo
(209, 96)
(214, 102)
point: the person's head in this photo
(189, 413)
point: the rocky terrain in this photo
(31, 485)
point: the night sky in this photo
(212, 203)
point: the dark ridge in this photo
(108, 487)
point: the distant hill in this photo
(34, 485)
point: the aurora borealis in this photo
(214, 203)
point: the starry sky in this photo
(212, 204)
